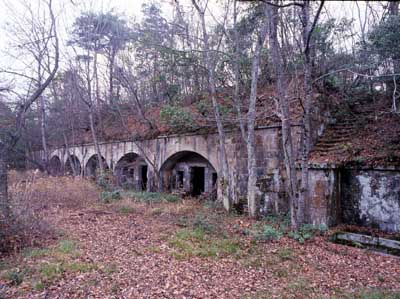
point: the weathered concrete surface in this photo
(158, 152)
(323, 207)
(369, 240)
(371, 197)
(368, 197)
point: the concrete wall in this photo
(158, 151)
(324, 205)
(371, 198)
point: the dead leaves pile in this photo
(130, 256)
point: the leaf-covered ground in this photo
(186, 249)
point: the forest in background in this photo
(204, 66)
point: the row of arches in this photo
(186, 171)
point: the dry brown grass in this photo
(36, 198)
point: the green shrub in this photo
(202, 223)
(269, 233)
(176, 117)
(105, 180)
(15, 277)
(110, 196)
(307, 231)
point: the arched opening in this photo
(92, 166)
(55, 166)
(131, 172)
(72, 166)
(189, 173)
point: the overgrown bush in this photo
(307, 231)
(34, 199)
(176, 117)
(106, 181)
(269, 233)
(110, 196)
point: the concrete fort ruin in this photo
(190, 163)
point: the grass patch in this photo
(49, 264)
(188, 243)
(35, 252)
(50, 271)
(66, 247)
(14, 277)
(39, 286)
(126, 210)
(80, 267)
(286, 254)
(110, 196)
(151, 197)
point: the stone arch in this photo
(188, 172)
(72, 165)
(92, 164)
(131, 171)
(55, 166)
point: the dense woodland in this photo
(203, 66)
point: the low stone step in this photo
(368, 240)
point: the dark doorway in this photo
(144, 177)
(197, 180)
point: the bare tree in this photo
(210, 63)
(7, 144)
(252, 195)
(284, 114)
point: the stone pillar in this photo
(207, 179)
(186, 177)
(137, 179)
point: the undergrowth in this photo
(151, 197)
(187, 243)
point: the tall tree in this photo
(209, 59)
(8, 142)
(252, 196)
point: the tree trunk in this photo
(89, 103)
(111, 79)
(5, 216)
(288, 151)
(97, 93)
(237, 74)
(95, 141)
(252, 189)
(224, 181)
(43, 132)
(71, 163)
(306, 136)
